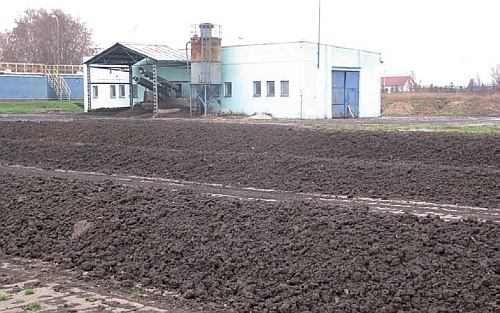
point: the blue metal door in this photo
(345, 91)
(338, 93)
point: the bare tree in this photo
(495, 74)
(34, 39)
(478, 80)
(2, 43)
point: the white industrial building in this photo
(288, 80)
(285, 80)
(111, 88)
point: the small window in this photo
(285, 86)
(112, 91)
(95, 92)
(135, 91)
(121, 91)
(228, 89)
(257, 89)
(270, 89)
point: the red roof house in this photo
(397, 84)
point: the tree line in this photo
(47, 37)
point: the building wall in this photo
(23, 87)
(309, 80)
(76, 84)
(310, 85)
(106, 79)
(242, 65)
(369, 94)
(36, 87)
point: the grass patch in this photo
(4, 297)
(450, 113)
(34, 306)
(19, 301)
(29, 291)
(447, 128)
(135, 294)
(33, 107)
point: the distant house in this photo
(397, 84)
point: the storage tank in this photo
(206, 63)
(206, 54)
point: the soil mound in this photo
(240, 253)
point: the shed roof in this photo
(131, 53)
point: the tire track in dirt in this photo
(420, 208)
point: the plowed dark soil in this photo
(233, 251)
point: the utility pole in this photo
(58, 77)
(58, 45)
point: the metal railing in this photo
(65, 90)
(57, 82)
(39, 68)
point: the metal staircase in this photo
(58, 83)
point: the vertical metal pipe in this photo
(189, 77)
(319, 28)
(130, 92)
(89, 88)
(155, 88)
(58, 43)
(301, 105)
(59, 92)
(205, 99)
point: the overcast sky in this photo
(441, 41)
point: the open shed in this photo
(121, 57)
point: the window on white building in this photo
(257, 89)
(121, 91)
(270, 89)
(228, 89)
(285, 88)
(112, 91)
(95, 92)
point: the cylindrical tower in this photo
(206, 62)
(206, 54)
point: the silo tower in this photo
(206, 62)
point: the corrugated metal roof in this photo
(132, 53)
(157, 52)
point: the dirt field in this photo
(172, 215)
(446, 104)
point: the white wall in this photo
(310, 85)
(106, 78)
(369, 90)
(242, 65)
